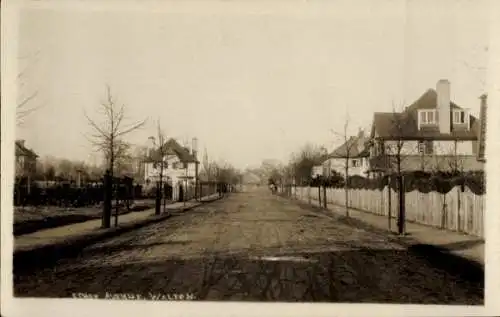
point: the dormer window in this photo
(459, 117)
(428, 117)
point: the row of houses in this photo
(431, 134)
(181, 167)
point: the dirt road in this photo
(253, 246)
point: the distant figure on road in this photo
(273, 188)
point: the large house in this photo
(431, 134)
(180, 168)
(354, 152)
(25, 160)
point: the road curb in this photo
(439, 257)
(31, 226)
(48, 255)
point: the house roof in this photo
(355, 146)
(172, 147)
(390, 125)
(22, 150)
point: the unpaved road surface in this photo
(253, 246)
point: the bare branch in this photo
(26, 100)
(107, 137)
(130, 129)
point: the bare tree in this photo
(393, 152)
(108, 135)
(159, 160)
(303, 162)
(346, 152)
(25, 104)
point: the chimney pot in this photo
(361, 133)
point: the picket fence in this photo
(457, 210)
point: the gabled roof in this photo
(172, 147)
(355, 146)
(22, 150)
(404, 125)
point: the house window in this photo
(458, 117)
(428, 117)
(426, 147)
(355, 163)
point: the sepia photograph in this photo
(319, 152)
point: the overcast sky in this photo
(249, 85)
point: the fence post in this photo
(444, 213)
(325, 201)
(458, 206)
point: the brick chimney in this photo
(443, 106)
(361, 140)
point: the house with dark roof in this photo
(25, 160)
(354, 152)
(431, 134)
(180, 167)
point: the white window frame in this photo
(354, 163)
(459, 114)
(424, 117)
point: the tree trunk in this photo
(346, 188)
(319, 195)
(106, 213)
(325, 202)
(401, 192)
(112, 178)
(117, 202)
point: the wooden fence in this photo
(458, 210)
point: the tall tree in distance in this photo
(303, 162)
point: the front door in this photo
(181, 193)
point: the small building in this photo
(354, 152)
(180, 169)
(25, 159)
